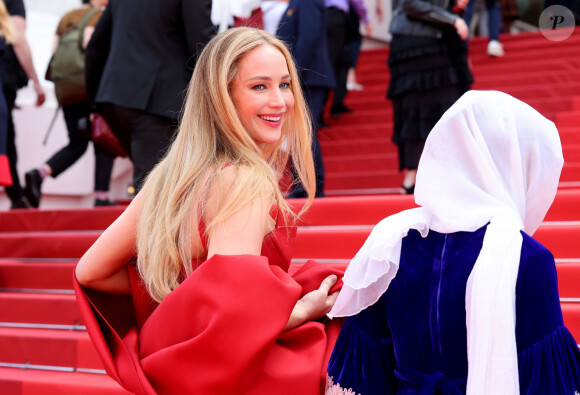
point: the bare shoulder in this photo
(240, 212)
(230, 175)
(235, 185)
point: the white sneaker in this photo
(494, 48)
(354, 86)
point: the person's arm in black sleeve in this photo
(427, 12)
(199, 28)
(97, 52)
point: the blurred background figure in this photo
(272, 11)
(73, 113)
(229, 13)
(138, 64)
(17, 69)
(336, 38)
(303, 29)
(494, 47)
(429, 72)
(220, 14)
(6, 36)
(354, 43)
(509, 13)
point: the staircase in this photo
(44, 348)
(359, 156)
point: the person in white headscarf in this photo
(455, 296)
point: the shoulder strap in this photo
(84, 23)
(51, 125)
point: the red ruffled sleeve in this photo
(220, 331)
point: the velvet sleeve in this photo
(220, 331)
(548, 355)
(363, 359)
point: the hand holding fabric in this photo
(314, 304)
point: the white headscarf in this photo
(490, 159)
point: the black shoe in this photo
(339, 109)
(19, 204)
(104, 203)
(408, 190)
(32, 189)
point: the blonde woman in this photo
(209, 307)
(6, 36)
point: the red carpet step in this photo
(38, 382)
(336, 210)
(48, 347)
(314, 242)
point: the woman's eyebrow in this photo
(262, 78)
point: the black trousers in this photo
(315, 98)
(336, 35)
(145, 137)
(77, 146)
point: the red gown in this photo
(220, 331)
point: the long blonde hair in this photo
(211, 135)
(6, 28)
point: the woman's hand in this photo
(314, 304)
(462, 28)
(369, 29)
(40, 94)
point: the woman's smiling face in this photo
(262, 93)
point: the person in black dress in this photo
(429, 72)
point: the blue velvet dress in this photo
(413, 340)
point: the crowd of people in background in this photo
(137, 69)
(75, 113)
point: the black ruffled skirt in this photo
(427, 76)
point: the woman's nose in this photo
(276, 98)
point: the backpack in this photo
(67, 65)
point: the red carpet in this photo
(43, 346)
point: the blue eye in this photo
(259, 87)
(285, 85)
